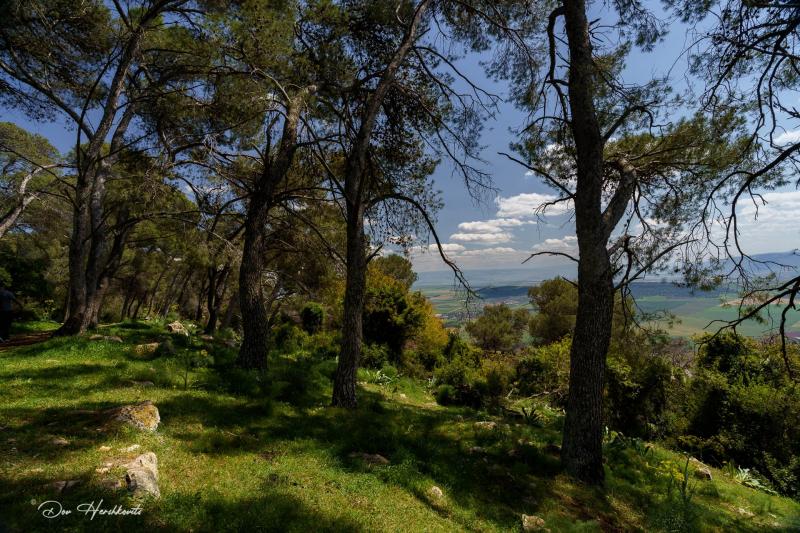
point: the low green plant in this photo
(680, 492)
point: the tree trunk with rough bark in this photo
(344, 384)
(218, 283)
(581, 452)
(230, 310)
(255, 313)
(255, 326)
(74, 321)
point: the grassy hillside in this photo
(236, 454)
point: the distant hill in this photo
(782, 264)
(505, 291)
(502, 278)
(640, 290)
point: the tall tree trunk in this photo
(125, 303)
(582, 445)
(355, 191)
(581, 452)
(218, 283)
(198, 313)
(344, 384)
(255, 318)
(135, 313)
(74, 321)
(255, 327)
(230, 310)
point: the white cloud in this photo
(568, 242)
(787, 137)
(485, 238)
(490, 226)
(781, 208)
(530, 204)
(448, 247)
(488, 251)
(770, 227)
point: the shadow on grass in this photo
(48, 434)
(272, 508)
(423, 446)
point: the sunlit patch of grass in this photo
(21, 328)
(239, 451)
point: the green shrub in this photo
(637, 394)
(287, 337)
(165, 348)
(297, 380)
(324, 344)
(475, 384)
(445, 394)
(313, 317)
(545, 369)
(374, 355)
(741, 407)
(493, 382)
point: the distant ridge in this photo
(639, 289)
(762, 264)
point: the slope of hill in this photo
(231, 459)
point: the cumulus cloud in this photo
(529, 205)
(484, 238)
(448, 247)
(488, 251)
(780, 214)
(566, 243)
(490, 226)
(787, 137)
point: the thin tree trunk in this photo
(135, 313)
(9, 219)
(230, 310)
(167, 301)
(24, 198)
(155, 288)
(181, 299)
(125, 303)
(344, 384)
(355, 191)
(198, 314)
(218, 283)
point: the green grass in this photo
(33, 327)
(274, 456)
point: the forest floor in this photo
(235, 455)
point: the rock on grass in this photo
(142, 476)
(533, 523)
(141, 416)
(370, 458)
